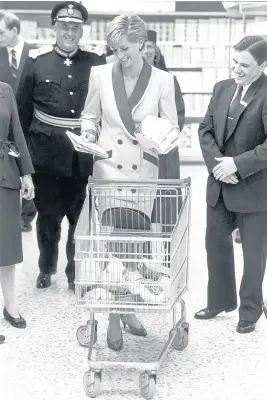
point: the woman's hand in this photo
(27, 188)
(88, 135)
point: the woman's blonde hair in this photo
(131, 26)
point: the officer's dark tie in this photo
(235, 103)
(14, 64)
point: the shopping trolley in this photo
(128, 263)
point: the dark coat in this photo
(58, 89)
(11, 168)
(245, 142)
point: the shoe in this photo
(71, 285)
(43, 281)
(15, 322)
(115, 345)
(237, 237)
(2, 339)
(245, 326)
(26, 226)
(209, 313)
(134, 325)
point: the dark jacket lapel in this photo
(247, 99)
(140, 86)
(225, 101)
(125, 105)
(121, 98)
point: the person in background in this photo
(139, 90)
(15, 180)
(169, 164)
(110, 57)
(50, 97)
(13, 54)
(233, 142)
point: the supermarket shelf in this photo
(193, 119)
(102, 14)
(190, 157)
(192, 66)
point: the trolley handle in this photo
(129, 181)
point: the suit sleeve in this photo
(25, 96)
(24, 160)
(209, 147)
(91, 115)
(180, 106)
(253, 161)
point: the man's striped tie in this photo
(14, 65)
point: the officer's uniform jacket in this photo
(56, 86)
(107, 105)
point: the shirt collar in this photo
(18, 46)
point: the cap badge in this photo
(70, 9)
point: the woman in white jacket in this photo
(120, 96)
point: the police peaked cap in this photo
(152, 36)
(69, 11)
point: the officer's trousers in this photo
(55, 198)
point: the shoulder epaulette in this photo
(34, 53)
(92, 49)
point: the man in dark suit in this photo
(233, 142)
(13, 54)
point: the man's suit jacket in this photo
(5, 70)
(245, 141)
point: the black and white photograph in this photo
(133, 200)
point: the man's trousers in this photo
(55, 198)
(220, 259)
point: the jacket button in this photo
(119, 166)
(135, 142)
(47, 80)
(71, 93)
(120, 141)
(72, 111)
(69, 76)
(134, 166)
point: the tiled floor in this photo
(45, 362)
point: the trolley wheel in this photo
(180, 341)
(92, 383)
(83, 337)
(147, 385)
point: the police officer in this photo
(50, 97)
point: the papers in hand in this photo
(157, 133)
(85, 147)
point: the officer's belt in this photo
(57, 121)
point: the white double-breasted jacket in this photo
(107, 106)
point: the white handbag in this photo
(157, 133)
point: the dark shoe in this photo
(71, 285)
(245, 326)
(2, 339)
(16, 322)
(43, 281)
(207, 313)
(26, 226)
(134, 325)
(237, 237)
(114, 324)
